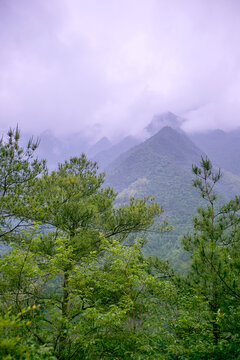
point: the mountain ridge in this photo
(161, 166)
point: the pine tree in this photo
(18, 171)
(214, 248)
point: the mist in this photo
(106, 67)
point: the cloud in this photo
(70, 64)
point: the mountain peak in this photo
(162, 120)
(101, 145)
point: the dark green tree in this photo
(214, 248)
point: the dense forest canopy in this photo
(76, 284)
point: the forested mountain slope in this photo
(105, 157)
(158, 122)
(162, 167)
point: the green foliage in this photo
(18, 171)
(96, 307)
(214, 248)
(14, 341)
(89, 286)
(76, 284)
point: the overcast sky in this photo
(107, 66)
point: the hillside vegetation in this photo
(161, 167)
(77, 281)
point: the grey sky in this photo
(107, 66)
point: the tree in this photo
(68, 271)
(18, 171)
(214, 248)
(76, 284)
(13, 346)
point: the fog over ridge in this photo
(106, 67)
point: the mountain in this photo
(160, 121)
(167, 147)
(56, 150)
(223, 148)
(104, 158)
(100, 146)
(161, 167)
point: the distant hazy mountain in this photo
(222, 147)
(56, 150)
(160, 121)
(161, 166)
(102, 145)
(104, 158)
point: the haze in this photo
(106, 67)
